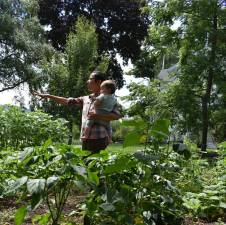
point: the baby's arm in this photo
(97, 103)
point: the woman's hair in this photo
(110, 85)
(97, 75)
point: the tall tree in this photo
(69, 71)
(22, 44)
(121, 26)
(200, 44)
(203, 47)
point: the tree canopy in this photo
(22, 45)
(198, 47)
(120, 25)
(68, 72)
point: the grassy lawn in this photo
(118, 148)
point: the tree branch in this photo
(13, 86)
(222, 3)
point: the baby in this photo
(103, 104)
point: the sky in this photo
(9, 97)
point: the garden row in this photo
(154, 185)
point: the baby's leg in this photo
(110, 140)
(109, 132)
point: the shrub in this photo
(19, 129)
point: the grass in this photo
(118, 149)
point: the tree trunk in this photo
(70, 126)
(204, 123)
(206, 97)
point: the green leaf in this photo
(32, 161)
(20, 215)
(102, 154)
(214, 198)
(17, 184)
(131, 139)
(36, 200)
(24, 154)
(222, 145)
(35, 186)
(80, 170)
(160, 128)
(120, 164)
(158, 134)
(80, 152)
(133, 123)
(47, 143)
(107, 207)
(51, 181)
(42, 219)
(93, 177)
(55, 159)
(192, 203)
(222, 205)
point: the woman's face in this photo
(93, 85)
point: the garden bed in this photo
(71, 212)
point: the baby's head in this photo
(107, 87)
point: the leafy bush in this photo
(46, 174)
(19, 129)
(133, 191)
(139, 188)
(119, 132)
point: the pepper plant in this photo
(135, 189)
(47, 174)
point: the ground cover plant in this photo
(207, 200)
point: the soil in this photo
(191, 221)
(72, 212)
